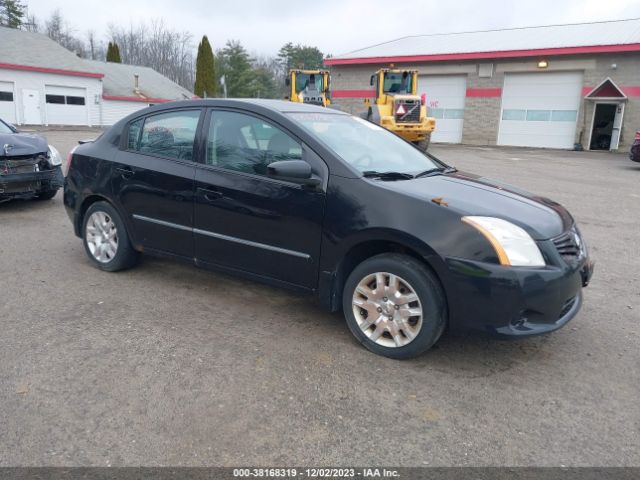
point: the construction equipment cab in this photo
(398, 107)
(309, 86)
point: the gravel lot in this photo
(170, 365)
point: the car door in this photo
(247, 221)
(153, 179)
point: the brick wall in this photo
(482, 114)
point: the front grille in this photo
(569, 245)
(411, 111)
(568, 305)
(20, 165)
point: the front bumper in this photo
(413, 132)
(31, 183)
(515, 301)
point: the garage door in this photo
(445, 102)
(540, 109)
(7, 102)
(66, 105)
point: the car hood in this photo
(20, 144)
(469, 194)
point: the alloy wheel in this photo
(387, 309)
(102, 237)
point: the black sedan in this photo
(326, 203)
(29, 168)
(634, 154)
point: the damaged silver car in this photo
(29, 167)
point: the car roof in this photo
(281, 106)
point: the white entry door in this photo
(540, 109)
(445, 102)
(31, 107)
(617, 127)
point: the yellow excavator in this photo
(309, 86)
(398, 107)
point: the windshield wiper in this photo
(387, 175)
(435, 170)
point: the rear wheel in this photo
(106, 240)
(394, 306)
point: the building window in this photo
(6, 96)
(75, 100)
(514, 114)
(564, 116)
(57, 99)
(540, 115)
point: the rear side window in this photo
(6, 96)
(167, 135)
(133, 136)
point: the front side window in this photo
(364, 145)
(167, 134)
(245, 143)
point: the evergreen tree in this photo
(206, 82)
(300, 56)
(235, 64)
(12, 13)
(262, 83)
(113, 53)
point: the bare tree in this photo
(58, 30)
(157, 46)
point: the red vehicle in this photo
(634, 154)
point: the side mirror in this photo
(297, 171)
(372, 80)
(287, 81)
(13, 127)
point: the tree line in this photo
(205, 71)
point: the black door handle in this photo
(126, 172)
(210, 195)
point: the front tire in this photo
(46, 194)
(424, 144)
(394, 306)
(106, 240)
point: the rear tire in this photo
(106, 240)
(405, 317)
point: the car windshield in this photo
(366, 146)
(395, 82)
(304, 80)
(4, 128)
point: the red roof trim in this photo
(57, 71)
(631, 91)
(631, 47)
(121, 98)
(353, 93)
(484, 92)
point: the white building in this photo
(42, 83)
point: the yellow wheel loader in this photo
(398, 108)
(309, 86)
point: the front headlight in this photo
(512, 244)
(54, 156)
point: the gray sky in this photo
(334, 26)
